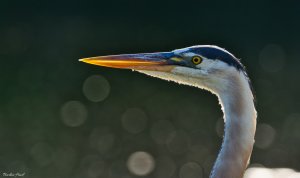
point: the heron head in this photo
(206, 66)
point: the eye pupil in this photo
(196, 60)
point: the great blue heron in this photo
(216, 70)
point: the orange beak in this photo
(145, 61)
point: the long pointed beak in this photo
(144, 61)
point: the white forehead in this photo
(186, 52)
(183, 50)
(190, 54)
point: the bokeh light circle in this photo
(265, 135)
(191, 170)
(179, 142)
(92, 166)
(162, 131)
(134, 120)
(73, 113)
(96, 88)
(140, 163)
(291, 126)
(102, 140)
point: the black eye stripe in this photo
(215, 53)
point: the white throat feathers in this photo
(236, 100)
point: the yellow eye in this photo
(196, 59)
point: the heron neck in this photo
(240, 124)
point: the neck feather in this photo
(236, 99)
(240, 124)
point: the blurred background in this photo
(61, 118)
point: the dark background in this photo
(63, 118)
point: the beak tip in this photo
(81, 60)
